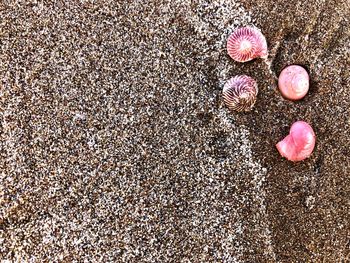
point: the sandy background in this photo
(115, 145)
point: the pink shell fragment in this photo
(299, 144)
(246, 43)
(293, 82)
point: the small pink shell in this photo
(246, 43)
(240, 93)
(293, 82)
(300, 142)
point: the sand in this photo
(115, 144)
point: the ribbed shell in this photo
(246, 43)
(240, 93)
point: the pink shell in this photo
(293, 82)
(246, 43)
(240, 93)
(300, 142)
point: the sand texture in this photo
(115, 144)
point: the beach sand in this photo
(115, 144)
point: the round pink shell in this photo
(240, 93)
(293, 82)
(299, 144)
(246, 43)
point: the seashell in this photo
(293, 82)
(300, 142)
(240, 93)
(246, 43)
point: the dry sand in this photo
(115, 145)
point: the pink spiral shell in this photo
(293, 82)
(300, 142)
(240, 93)
(246, 43)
